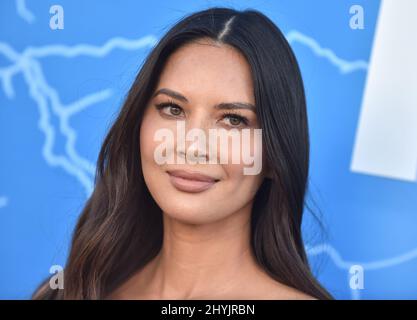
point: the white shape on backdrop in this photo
(386, 138)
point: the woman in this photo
(159, 230)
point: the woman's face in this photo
(196, 81)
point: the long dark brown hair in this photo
(120, 228)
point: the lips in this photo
(191, 181)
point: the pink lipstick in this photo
(190, 181)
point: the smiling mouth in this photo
(190, 181)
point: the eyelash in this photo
(242, 119)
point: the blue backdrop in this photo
(61, 89)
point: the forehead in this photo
(208, 71)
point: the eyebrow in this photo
(220, 106)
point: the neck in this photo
(200, 260)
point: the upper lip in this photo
(192, 175)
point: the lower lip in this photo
(188, 185)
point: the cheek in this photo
(150, 125)
(239, 185)
(244, 154)
(152, 173)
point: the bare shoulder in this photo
(132, 288)
(270, 289)
(125, 291)
(288, 293)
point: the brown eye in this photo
(175, 111)
(234, 121)
(169, 109)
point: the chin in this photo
(192, 214)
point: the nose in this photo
(193, 155)
(192, 147)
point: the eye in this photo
(169, 109)
(235, 120)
